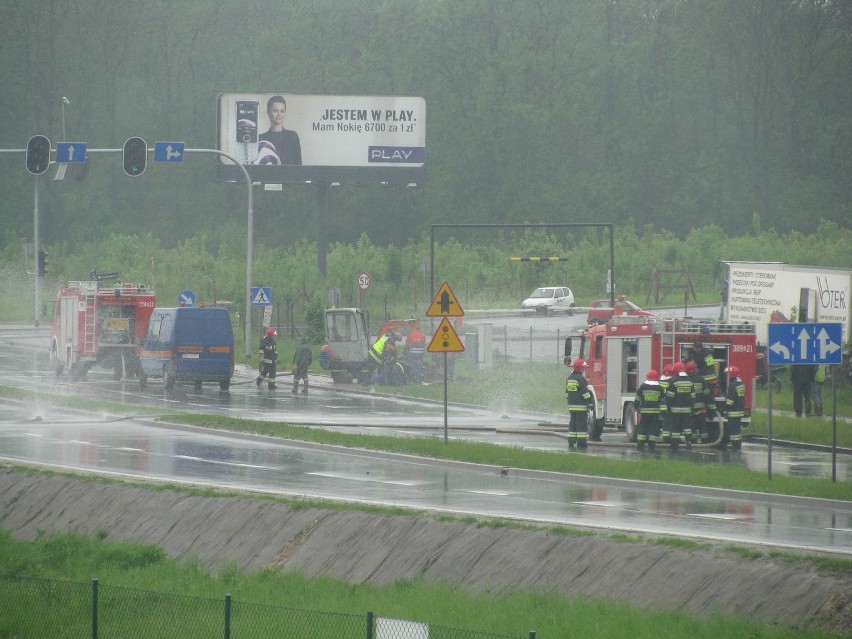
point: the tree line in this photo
(671, 114)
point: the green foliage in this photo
(670, 114)
(475, 263)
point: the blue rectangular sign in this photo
(70, 152)
(168, 151)
(805, 343)
(261, 296)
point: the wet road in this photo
(141, 449)
(37, 433)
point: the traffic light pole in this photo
(36, 276)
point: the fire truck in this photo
(621, 352)
(99, 325)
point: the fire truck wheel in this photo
(168, 378)
(628, 420)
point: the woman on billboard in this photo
(280, 142)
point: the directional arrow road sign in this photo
(168, 151)
(811, 343)
(71, 152)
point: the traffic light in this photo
(38, 154)
(42, 263)
(135, 156)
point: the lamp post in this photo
(64, 102)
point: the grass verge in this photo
(130, 575)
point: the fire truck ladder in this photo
(89, 324)
(667, 342)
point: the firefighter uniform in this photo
(699, 408)
(665, 416)
(579, 399)
(302, 359)
(268, 353)
(650, 401)
(734, 409)
(681, 395)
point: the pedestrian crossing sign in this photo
(261, 296)
(446, 340)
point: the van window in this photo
(154, 327)
(166, 327)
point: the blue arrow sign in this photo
(805, 343)
(261, 296)
(186, 298)
(71, 152)
(168, 151)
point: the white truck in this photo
(763, 292)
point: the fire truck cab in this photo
(621, 352)
(94, 325)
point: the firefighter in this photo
(681, 394)
(734, 409)
(699, 410)
(650, 402)
(706, 364)
(665, 382)
(579, 399)
(302, 359)
(268, 354)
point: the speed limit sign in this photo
(364, 281)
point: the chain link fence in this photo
(37, 607)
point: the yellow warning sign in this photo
(446, 340)
(445, 304)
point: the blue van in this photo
(189, 344)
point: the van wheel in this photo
(197, 387)
(168, 378)
(628, 420)
(224, 384)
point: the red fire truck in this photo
(621, 352)
(99, 325)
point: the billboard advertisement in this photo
(285, 130)
(764, 292)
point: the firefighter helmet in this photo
(668, 370)
(733, 370)
(579, 364)
(653, 375)
(678, 368)
(691, 367)
(271, 331)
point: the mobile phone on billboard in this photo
(247, 121)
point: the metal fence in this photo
(37, 607)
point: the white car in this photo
(548, 299)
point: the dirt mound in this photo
(367, 548)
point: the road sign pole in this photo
(446, 398)
(769, 420)
(834, 375)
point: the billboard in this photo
(764, 292)
(291, 137)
